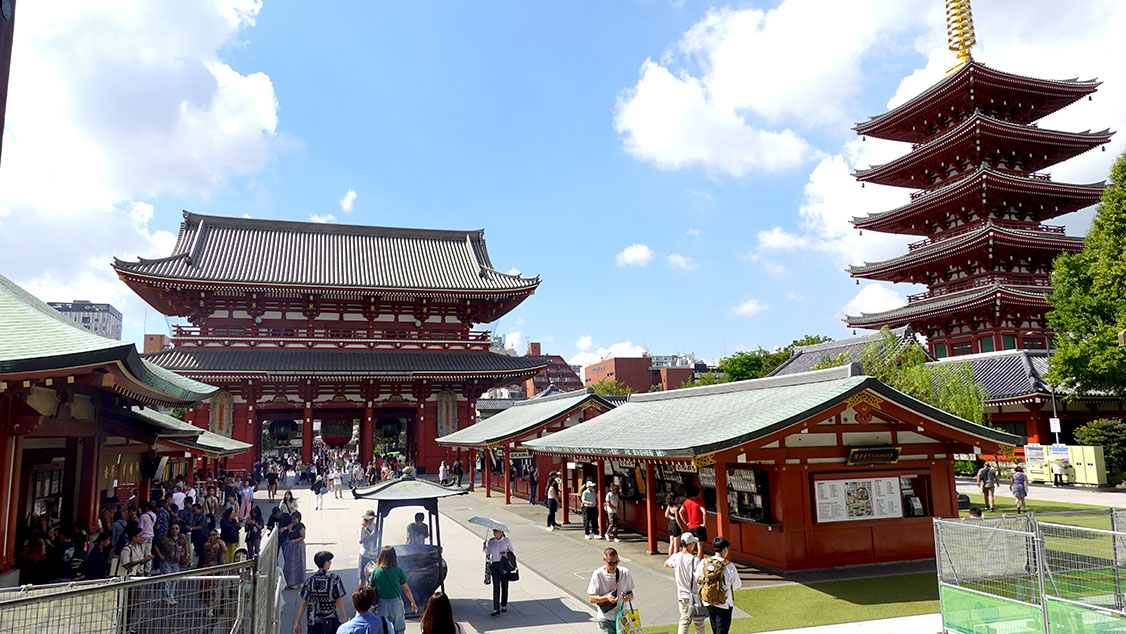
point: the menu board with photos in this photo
(858, 499)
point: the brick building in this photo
(638, 374)
(558, 373)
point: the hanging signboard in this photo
(858, 499)
(873, 455)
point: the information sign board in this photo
(858, 499)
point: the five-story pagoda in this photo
(301, 321)
(976, 159)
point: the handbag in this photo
(696, 608)
(629, 620)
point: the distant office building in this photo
(156, 343)
(558, 373)
(640, 374)
(100, 319)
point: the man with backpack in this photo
(718, 581)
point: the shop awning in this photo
(525, 417)
(691, 422)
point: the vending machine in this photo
(1036, 463)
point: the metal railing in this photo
(237, 598)
(973, 226)
(1022, 574)
(187, 336)
(980, 281)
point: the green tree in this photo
(951, 387)
(743, 365)
(610, 387)
(1089, 300)
(269, 443)
(706, 378)
(1108, 433)
(832, 362)
(179, 412)
(809, 340)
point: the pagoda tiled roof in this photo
(950, 247)
(996, 179)
(894, 172)
(37, 338)
(1068, 91)
(690, 422)
(1008, 375)
(952, 302)
(804, 358)
(249, 252)
(319, 363)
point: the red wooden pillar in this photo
(565, 502)
(472, 460)
(651, 507)
(90, 480)
(723, 514)
(600, 487)
(507, 476)
(487, 474)
(11, 465)
(307, 436)
(367, 432)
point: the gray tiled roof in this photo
(331, 362)
(1008, 374)
(276, 252)
(404, 489)
(702, 420)
(976, 237)
(852, 349)
(524, 416)
(497, 404)
(48, 341)
(953, 301)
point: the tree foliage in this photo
(179, 412)
(269, 443)
(610, 387)
(951, 387)
(827, 362)
(754, 364)
(1089, 300)
(1108, 433)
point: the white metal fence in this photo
(233, 598)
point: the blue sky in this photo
(677, 172)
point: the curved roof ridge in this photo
(960, 240)
(814, 376)
(194, 219)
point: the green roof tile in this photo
(523, 416)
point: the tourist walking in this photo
(322, 599)
(439, 616)
(288, 503)
(369, 545)
(987, 481)
(672, 514)
(718, 581)
(589, 499)
(254, 526)
(247, 499)
(443, 474)
(459, 471)
(683, 565)
(228, 531)
(691, 517)
(390, 584)
(533, 483)
(552, 493)
(499, 555)
(146, 523)
(294, 552)
(166, 556)
(1057, 473)
(338, 483)
(365, 621)
(612, 504)
(1019, 487)
(611, 584)
(319, 488)
(97, 563)
(272, 484)
(134, 559)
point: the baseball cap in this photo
(589, 483)
(688, 538)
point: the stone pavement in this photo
(555, 567)
(1104, 496)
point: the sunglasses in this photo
(612, 563)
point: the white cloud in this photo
(519, 321)
(512, 340)
(584, 342)
(112, 106)
(695, 233)
(873, 298)
(749, 308)
(682, 262)
(766, 264)
(634, 255)
(794, 297)
(322, 218)
(778, 239)
(729, 93)
(348, 201)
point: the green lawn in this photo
(1008, 506)
(783, 607)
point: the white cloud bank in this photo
(348, 202)
(634, 255)
(749, 308)
(620, 349)
(110, 105)
(682, 262)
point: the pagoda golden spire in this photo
(960, 30)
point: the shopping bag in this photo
(629, 620)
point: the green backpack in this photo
(711, 590)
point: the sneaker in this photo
(617, 540)
(599, 537)
(589, 536)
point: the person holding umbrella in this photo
(498, 550)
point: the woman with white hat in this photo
(369, 548)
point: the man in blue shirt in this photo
(365, 622)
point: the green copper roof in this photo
(523, 417)
(36, 337)
(170, 426)
(698, 421)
